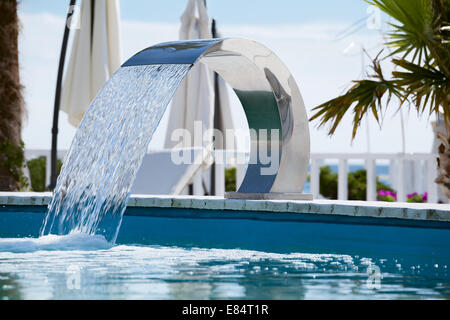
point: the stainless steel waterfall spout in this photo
(270, 98)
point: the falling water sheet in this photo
(107, 151)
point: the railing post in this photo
(240, 174)
(314, 177)
(393, 174)
(431, 176)
(48, 165)
(343, 180)
(371, 191)
(417, 167)
(401, 194)
(197, 184)
(26, 170)
(219, 173)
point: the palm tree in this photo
(11, 102)
(421, 56)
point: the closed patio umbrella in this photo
(194, 100)
(201, 93)
(95, 56)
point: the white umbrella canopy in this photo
(95, 56)
(194, 100)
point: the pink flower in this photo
(386, 195)
(410, 195)
(392, 194)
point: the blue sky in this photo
(227, 11)
(302, 33)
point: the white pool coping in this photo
(399, 210)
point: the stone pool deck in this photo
(396, 210)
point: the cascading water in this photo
(93, 188)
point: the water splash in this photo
(99, 169)
(55, 243)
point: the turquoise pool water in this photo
(211, 254)
(85, 267)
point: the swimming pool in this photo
(187, 248)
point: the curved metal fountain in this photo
(99, 169)
(270, 98)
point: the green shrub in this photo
(36, 168)
(418, 198)
(37, 171)
(12, 158)
(230, 180)
(328, 182)
(386, 195)
(357, 187)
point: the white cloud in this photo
(317, 62)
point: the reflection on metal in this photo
(270, 98)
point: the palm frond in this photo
(414, 27)
(417, 31)
(428, 86)
(363, 97)
(425, 76)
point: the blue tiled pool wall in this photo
(179, 227)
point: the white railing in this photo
(407, 172)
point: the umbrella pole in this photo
(62, 58)
(217, 120)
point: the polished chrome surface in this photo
(178, 52)
(270, 98)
